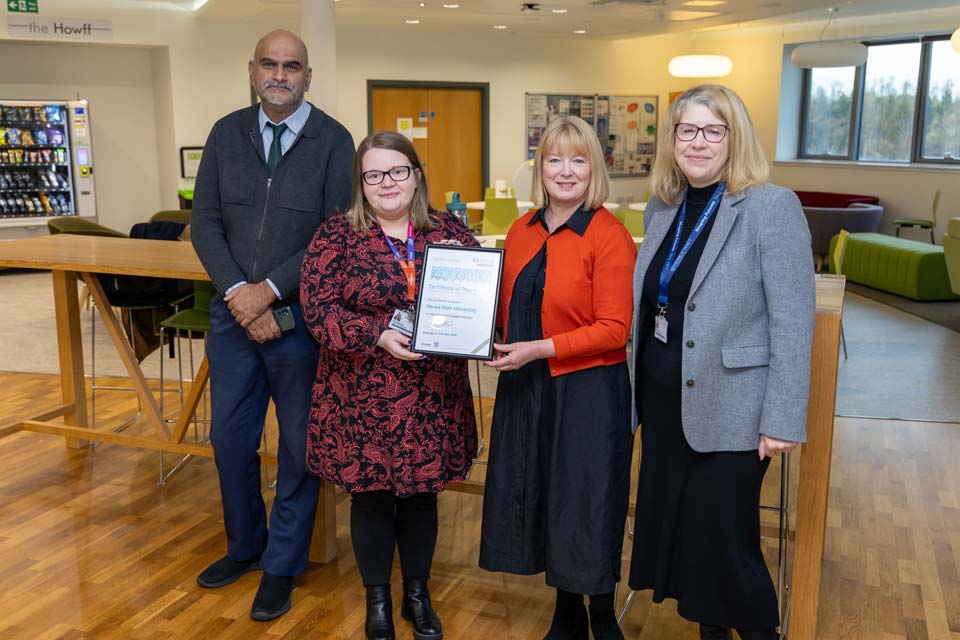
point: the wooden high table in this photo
(70, 257)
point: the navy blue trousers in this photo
(244, 375)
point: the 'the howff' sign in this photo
(44, 28)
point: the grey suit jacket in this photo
(749, 319)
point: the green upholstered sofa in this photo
(907, 268)
(951, 250)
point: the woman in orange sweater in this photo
(559, 467)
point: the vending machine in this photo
(46, 162)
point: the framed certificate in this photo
(457, 307)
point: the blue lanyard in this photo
(396, 254)
(674, 259)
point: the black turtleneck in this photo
(660, 364)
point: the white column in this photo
(318, 32)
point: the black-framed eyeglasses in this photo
(711, 133)
(375, 176)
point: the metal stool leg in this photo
(843, 341)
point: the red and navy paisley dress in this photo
(376, 422)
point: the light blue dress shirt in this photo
(295, 123)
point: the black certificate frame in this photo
(488, 352)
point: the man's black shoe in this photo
(273, 597)
(225, 570)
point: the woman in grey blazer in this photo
(725, 291)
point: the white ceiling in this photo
(599, 18)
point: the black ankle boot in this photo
(570, 620)
(770, 634)
(713, 632)
(379, 613)
(603, 619)
(418, 609)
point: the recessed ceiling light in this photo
(559, 10)
(423, 4)
(451, 6)
(499, 26)
(579, 32)
(703, 3)
(412, 21)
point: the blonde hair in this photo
(360, 214)
(570, 134)
(747, 164)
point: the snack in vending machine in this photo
(56, 136)
(64, 204)
(11, 114)
(45, 202)
(63, 181)
(27, 204)
(26, 137)
(54, 204)
(47, 155)
(61, 156)
(53, 113)
(3, 135)
(13, 136)
(26, 114)
(40, 136)
(35, 157)
(39, 114)
(4, 156)
(17, 155)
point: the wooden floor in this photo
(90, 547)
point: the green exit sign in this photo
(21, 6)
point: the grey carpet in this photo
(946, 314)
(900, 366)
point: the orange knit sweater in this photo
(588, 295)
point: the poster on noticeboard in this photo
(626, 126)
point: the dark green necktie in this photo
(276, 152)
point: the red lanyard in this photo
(409, 265)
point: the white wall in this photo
(197, 69)
(512, 65)
(118, 83)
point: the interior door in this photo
(448, 134)
(456, 144)
(392, 103)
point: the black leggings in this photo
(379, 521)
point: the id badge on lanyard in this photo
(674, 258)
(402, 319)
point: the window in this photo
(903, 105)
(889, 102)
(829, 112)
(941, 116)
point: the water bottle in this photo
(458, 209)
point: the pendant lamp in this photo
(829, 54)
(700, 66)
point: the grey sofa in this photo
(826, 222)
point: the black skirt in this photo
(558, 474)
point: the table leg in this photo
(70, 347)
(814, 484)
(150, 407)
(323, 545)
